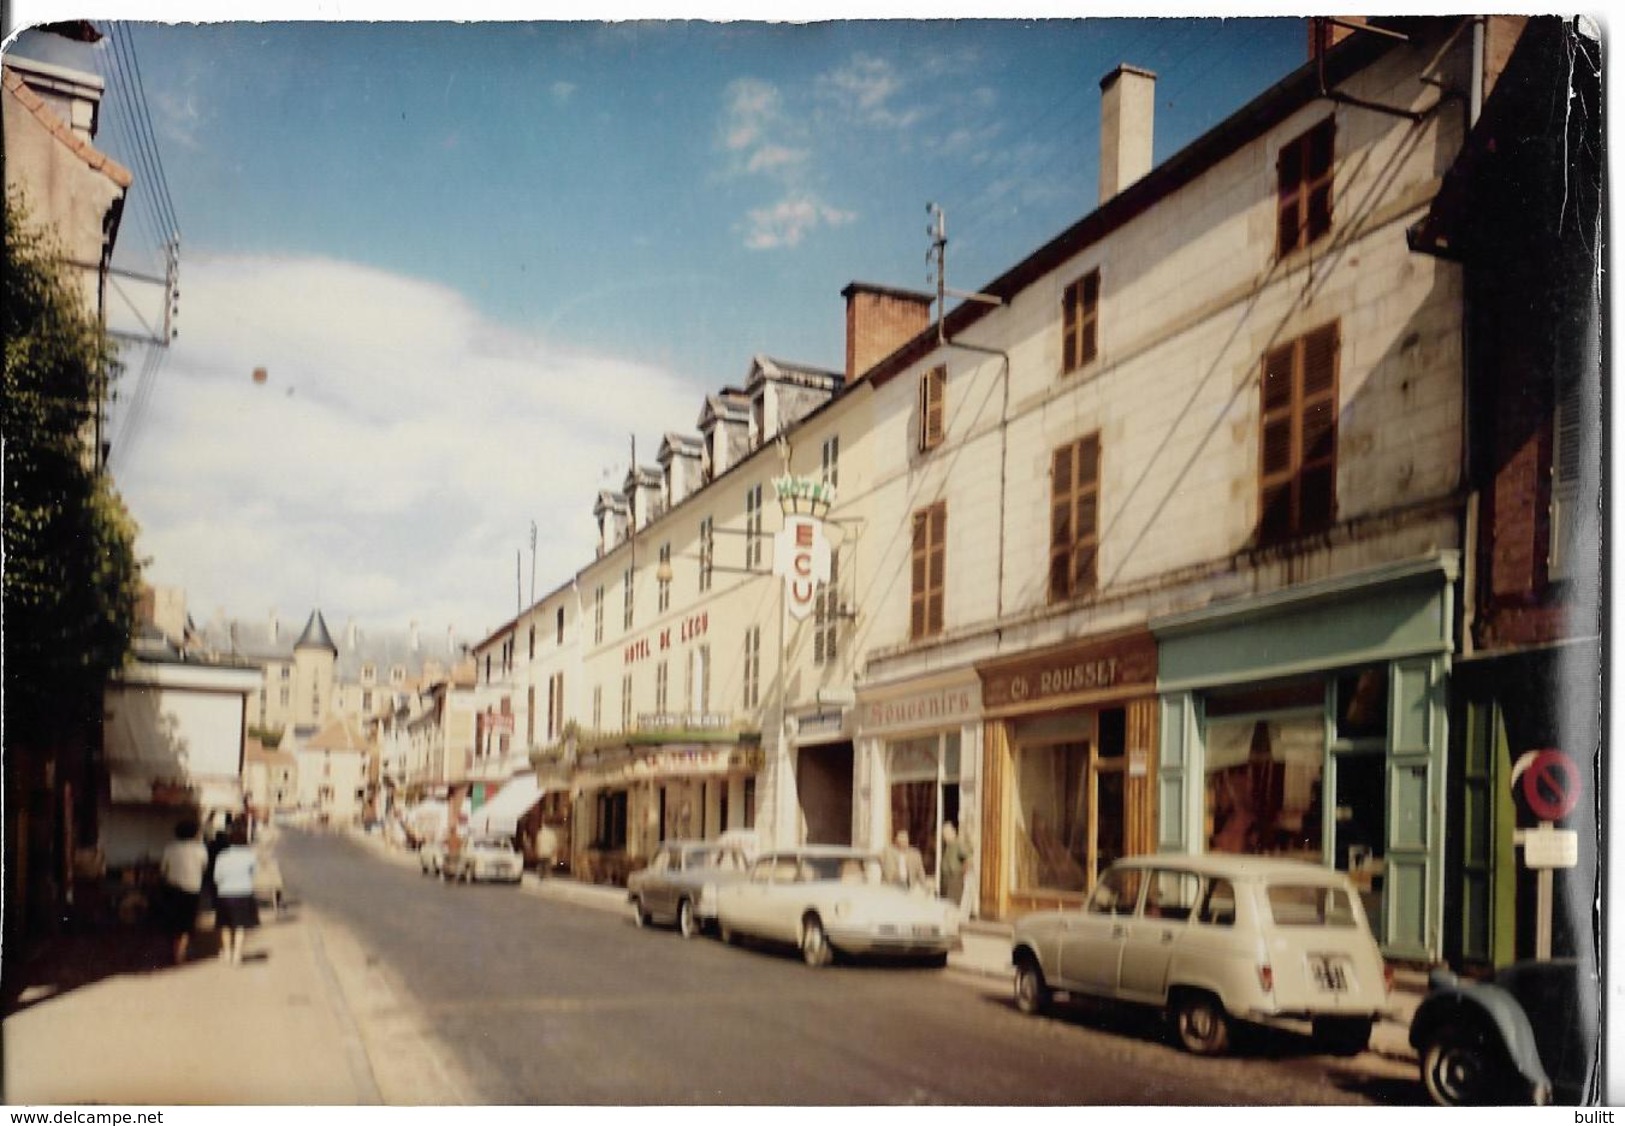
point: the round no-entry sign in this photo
(1551, 785)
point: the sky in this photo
(475, 260)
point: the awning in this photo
(502, 813)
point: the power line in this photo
(157, 154)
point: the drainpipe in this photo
(1471, 515)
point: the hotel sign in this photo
(1119, 665)
(800, 549)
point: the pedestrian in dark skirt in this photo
(182, 868)
(236, 911)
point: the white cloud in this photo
(752, 109)
(865, 89)
(775, 158)
(787, 222)
(562, 91)
(391, 464)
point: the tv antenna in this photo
(937, 258)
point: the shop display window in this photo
(1264, 784)
(1052, 800)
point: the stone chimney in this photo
(880, 320)
(1127, 101)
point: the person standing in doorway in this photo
(236, 911)
(182, 867)
(902, 863)
(955, 853)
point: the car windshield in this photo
(1309, 905)
(846, 869)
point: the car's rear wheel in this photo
(1032, 993)
(1342, 1036)
(688, 923)
(1201, 1023)
(640, 915)
(1459, 1068)
(815, 948)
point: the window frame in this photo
(1080, 322)
(1298, 180)
(753, 525)
(826, 615)
(1067, 540)
(1297, 411)
(927, 610)
(707, 552)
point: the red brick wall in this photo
(878, 323)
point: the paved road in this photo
(543, 1002)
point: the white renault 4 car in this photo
(1213, 940)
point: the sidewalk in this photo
(272, 1031)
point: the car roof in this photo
(842, 852)
(1237, 867)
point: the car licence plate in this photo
(1330, 975)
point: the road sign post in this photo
(1551, 785)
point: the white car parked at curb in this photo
(829, 899)
(1213, 940)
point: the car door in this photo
(1154, 932)
(751, 899)
(1091, 940)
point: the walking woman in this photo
(236, 911)
(184, 861)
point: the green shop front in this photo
(1312, 723)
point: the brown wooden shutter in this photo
(1090, 317)
(917, 592)
(936, 572)
(1060, 525)
(1074, 518)
(933, 385)
(1071, 314)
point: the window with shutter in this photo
(1074, 518)
(1567, 444)
(1303, 171)
(1080, 322)
(927, 572)
(826, 608)
(1297, 463)
(933, 392)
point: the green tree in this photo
(71, 576)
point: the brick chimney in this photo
(880, 320)
(1127, 99)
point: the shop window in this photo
(1362, 704)
(1074, 533)
(611, 820)
(1053, 797)
(933, 397)
(1303, 171)
(928, 581)
(1297, 478)
(1264, 777)
(1080, 322)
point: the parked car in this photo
(432, 857)
(1214, 940)
(680, 884)
(485, 858)
(1527, 1036)
(828, 900)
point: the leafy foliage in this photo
(71, 575)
